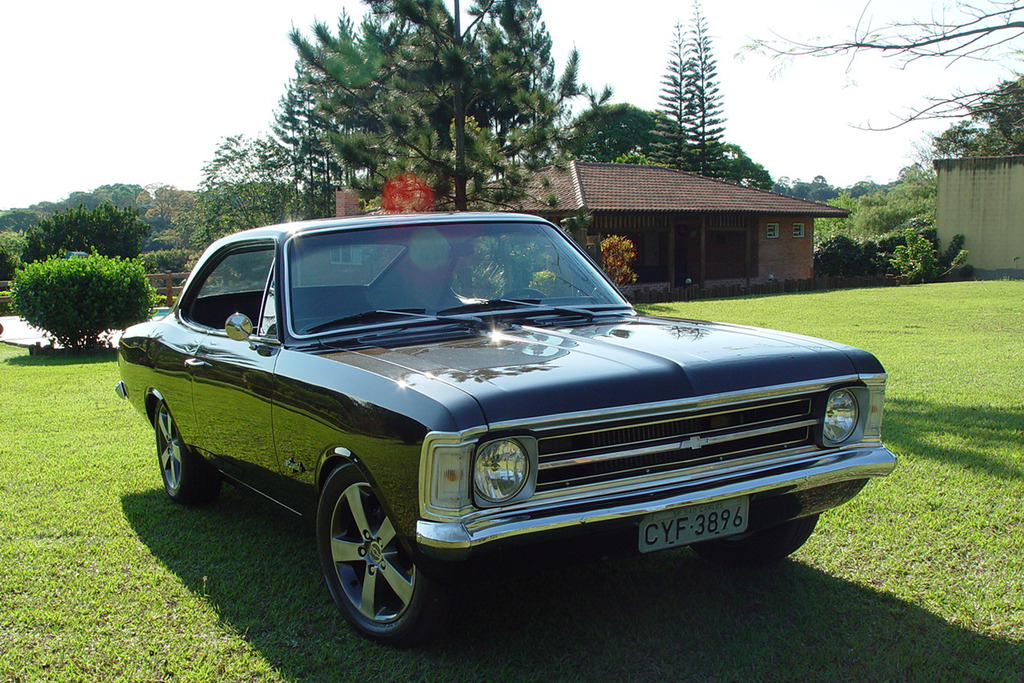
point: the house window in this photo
(346, 255)
(798, 230)
(773, 231)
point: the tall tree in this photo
(673, 148)
(166, 209)
(245, 185)
(469, 110)
(303, 132)
(107, 229)
(611, 131)
(995, 126)
(703, 120)
(736, 166)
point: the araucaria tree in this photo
(469, 110)
(672, 148)
(692, 127)
(704, 122)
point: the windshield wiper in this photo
(371, 316)
(484, 305)
(529, 307)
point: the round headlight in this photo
(500, 471)
(841, 415)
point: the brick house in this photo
(686, 226)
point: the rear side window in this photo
(236, 284)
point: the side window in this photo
(235, 285)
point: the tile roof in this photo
(630, 188)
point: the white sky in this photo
(135, 91)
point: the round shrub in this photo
(838, 256)
(79, 300)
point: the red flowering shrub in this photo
(617, 256)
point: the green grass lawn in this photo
(921, 577)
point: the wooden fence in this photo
(167, 285)
(639, 294)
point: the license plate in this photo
(683, 526)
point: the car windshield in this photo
(340, 275)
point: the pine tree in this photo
(672, 148)
(302, 132)
(703, 107)
(464, 109)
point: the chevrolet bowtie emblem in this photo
(695, 443)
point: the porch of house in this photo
(678, 249)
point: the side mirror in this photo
(238, 327)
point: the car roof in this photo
(285, 230)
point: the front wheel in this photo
(187, 477)
(369, 573)
(759, 547)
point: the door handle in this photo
(196, 363)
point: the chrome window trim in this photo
(209, 263)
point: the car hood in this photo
(525, 372)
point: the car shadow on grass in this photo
(652, 617)
(22, 360)
(968, 436)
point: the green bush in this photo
(918, 260)
(11, 246)
(839, 256)
(77, 301)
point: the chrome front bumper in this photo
(456, 540)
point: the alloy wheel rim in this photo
(169, 449)
(376, 576)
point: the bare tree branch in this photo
(977, 32)
(985, 30)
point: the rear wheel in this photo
(759, 547)
(369, 573)
(187, 477)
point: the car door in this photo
(233, 381)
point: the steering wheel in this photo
(525, 293)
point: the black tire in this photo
(759, 547)
(187, 478)
(358, 546)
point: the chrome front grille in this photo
(620, 450)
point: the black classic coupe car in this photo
(433, 389)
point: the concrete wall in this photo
(983, 199)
